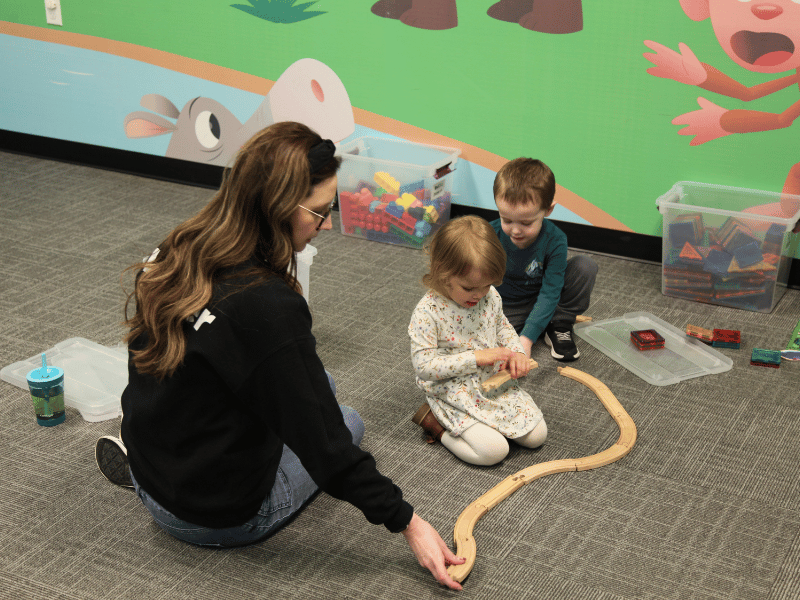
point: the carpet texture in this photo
(706, 505)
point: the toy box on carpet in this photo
(727, 246)
(395, 191)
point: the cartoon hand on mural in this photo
(683, 66)
(704, 124)
(761, 37)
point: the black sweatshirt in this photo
(205, 443)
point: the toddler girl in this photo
(459, 338)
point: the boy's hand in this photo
(527, 344)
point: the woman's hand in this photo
(431, 551)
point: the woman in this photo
(230, 421)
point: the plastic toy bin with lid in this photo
(395, 191)
(727, 246)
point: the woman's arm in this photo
(431, 551)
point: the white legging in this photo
(481, 445)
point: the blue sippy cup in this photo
(46, 385)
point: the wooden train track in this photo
(498, 379)
(462, 532)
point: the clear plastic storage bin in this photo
(727, 246)
(395, 191)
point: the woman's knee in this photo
(354, 423)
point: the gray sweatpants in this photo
(575, 296)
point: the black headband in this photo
(320, 155)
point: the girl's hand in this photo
(489, 356)
(431, 551)
(518, 365)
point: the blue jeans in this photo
(293, 488)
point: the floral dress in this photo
(444, 337)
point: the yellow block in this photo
(387, 182)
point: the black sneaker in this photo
(112, 460)
(558, 336)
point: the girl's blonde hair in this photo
(461, 245)
(248, 218)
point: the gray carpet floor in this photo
(706, 505)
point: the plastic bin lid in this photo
(682, 357)
(747, 198)
(94, 376)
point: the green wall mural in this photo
(585, 99)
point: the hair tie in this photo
(320, 154)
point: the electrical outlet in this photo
(52, 9)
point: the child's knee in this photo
(493, 453)
(585, 267)
(478, 445)
(535, 437)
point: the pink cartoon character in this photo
(763, 37)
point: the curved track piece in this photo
(462, 532)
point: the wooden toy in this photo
(462, 532)
(498, 379)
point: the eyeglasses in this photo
(323, 217)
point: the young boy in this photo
(542, 290)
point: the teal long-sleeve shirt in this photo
(536, 272)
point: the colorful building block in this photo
(387, 182)
(726, 338)
(765, 358)
(705, 335)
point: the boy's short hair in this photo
(460, 245)
(525, 180)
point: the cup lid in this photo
(38, 375)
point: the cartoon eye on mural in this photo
(545, 16)
(205, 131)
(763, 37)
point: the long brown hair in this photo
(460, 245)
(248, 218)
